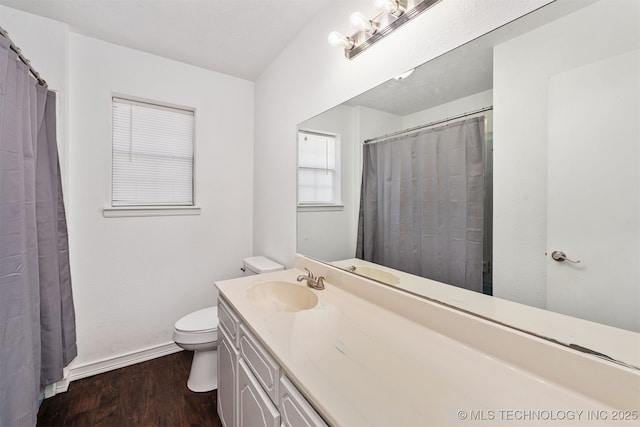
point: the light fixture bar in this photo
(362, 42)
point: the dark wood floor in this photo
(152, 393)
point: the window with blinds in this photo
(318, 169)
(152, 162)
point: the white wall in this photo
(134, 277)
(309, 77)
(520, 135)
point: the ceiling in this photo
(462, 72)
(236, 37)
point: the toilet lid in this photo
(204, 320)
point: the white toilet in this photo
(198, 332)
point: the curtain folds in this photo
(37, 317)
(421, 203)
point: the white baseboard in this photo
(78, 372)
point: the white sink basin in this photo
(377, 274)
(282, 296)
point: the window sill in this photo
(126, 211)
(320, 208)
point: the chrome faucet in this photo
(312, 281)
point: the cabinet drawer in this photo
(295, 410)
(228, 320)
(266, 370)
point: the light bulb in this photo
(388, 6)
(360, 23)
(338, 40)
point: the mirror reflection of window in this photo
(318, 168)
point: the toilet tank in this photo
(259, 265)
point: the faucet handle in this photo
(316, 283)
(311, 276)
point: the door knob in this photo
(561, 256)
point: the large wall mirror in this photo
(555, 100)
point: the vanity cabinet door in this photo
(254, 406)
(294, 408)
(227, 376)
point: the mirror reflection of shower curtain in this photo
(421, 204)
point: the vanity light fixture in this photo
(392, 14)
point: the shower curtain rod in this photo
(24, 60)
(417, 128)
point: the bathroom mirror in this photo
(561, 90)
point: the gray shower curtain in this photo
(37, 320)
(421, 203)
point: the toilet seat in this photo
(205, 320)
(197, 328)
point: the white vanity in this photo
(253, 389)
(367, 354)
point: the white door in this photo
(594, 192)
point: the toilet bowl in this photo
(198, 332)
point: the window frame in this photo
(111, 210)
(337, 204)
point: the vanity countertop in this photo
(361, 364)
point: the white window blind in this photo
(152, 163)
(318, 177)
